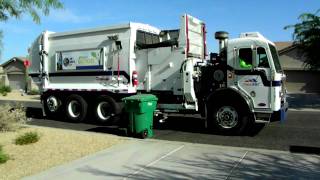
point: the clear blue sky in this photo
(235, 16)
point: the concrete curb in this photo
(20, 100)
(304, 109)
(80, 131)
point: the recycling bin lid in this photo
(141, 98)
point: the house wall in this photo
(299, 79)
(2, 77)
(15, 75)
(291, 61)
(302, 81)
(16, 67)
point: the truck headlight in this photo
(281, 94)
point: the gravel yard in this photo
(16, 96)
(55, 147)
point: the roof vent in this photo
(251, 34)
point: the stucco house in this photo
(299, 79)
(15, 73)
(2, 76)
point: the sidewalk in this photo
(155, 159)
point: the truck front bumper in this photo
(280, 115)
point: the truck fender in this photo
(223, 93)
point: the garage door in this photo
(16, 81)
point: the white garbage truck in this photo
(88, 72)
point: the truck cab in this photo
(247, 85)
(262, 79)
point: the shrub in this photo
(33, 92)
(3, 157)
(4, 93)
(11, 118)
(7, 88)
(4, 88)
(27, 138)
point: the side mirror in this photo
(235, 56)
(254, 56)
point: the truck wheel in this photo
(76, 108)
(52, 105)
(106, 109)
(228, 118)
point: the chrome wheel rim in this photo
(52, 104)
(74, 109)
(227, 117)
(104, 111)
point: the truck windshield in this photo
(275, 58)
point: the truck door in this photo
(254, 76)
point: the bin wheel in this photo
(76, 108)
(106, 109)
(144, 134)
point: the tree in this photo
(306, 36)
(17, 8)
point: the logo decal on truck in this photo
(251, 82)
(79, 60)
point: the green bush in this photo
(3, 157)
(33, 92)
(4, 93)
(4, 88)
(27, 138)
(11, 118)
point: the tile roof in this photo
(283, 44)
(21, 59)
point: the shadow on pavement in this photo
(225, 165)
(115, 130)
(299, 101)
(196, 124)
(305, 150)
(34, 113)
(181, 123)
(59, 122)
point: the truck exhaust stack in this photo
(222, 36)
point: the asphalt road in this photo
(299, 133)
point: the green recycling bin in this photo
(140, 108)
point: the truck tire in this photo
(228, 118)
(106, 110)
(76, 108)
(52, 106)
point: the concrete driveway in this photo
(157, 159)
